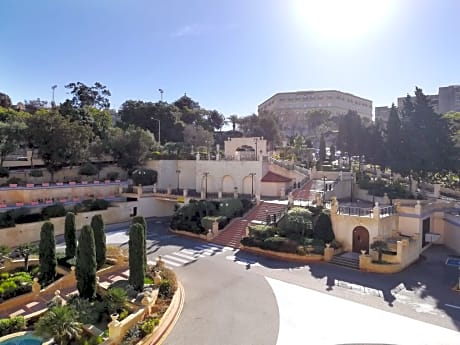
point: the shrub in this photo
(274, 243)
(12, 325)
(14, 180)
(261, 232)
(6, 220)
(298, 221)
(136, 256)
(149, 325)
(47, 252)
(53, 211)
(97, 224)
(144, 177)
(70, 235)
(88, 169)
(112, 175)
(87, 313)
(323, 228)
(206, 222)
(86, 264)
(36, 173)
(115, 299)
(4, 172)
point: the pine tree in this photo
(141, 220)
(97, 224)
(70, 235)
(86, 264)
(136, 256)
(47, 252)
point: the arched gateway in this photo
(360, 239)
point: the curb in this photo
(171, 317)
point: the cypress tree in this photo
(70, 235)
(97, 223)
(86, 264)
(141, 220)
(323, 228)
(136, 256)
(47, 252)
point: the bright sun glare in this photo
(343, 20)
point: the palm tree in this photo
(60, 323)
(380, 247)
(233, 120)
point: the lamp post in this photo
(52, 98)
(159, 129)
(255, 141)
(373, 191)
(161, 94)
(178, 174)
(252, 184)
(351, 187)
(205, 174)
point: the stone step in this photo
(345, 262)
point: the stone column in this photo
(376, 210)
(168, 191)
(197, 156)
(185, 192)
(365, 261)
(219, 194)
(235, 193)
(202, 194)
(282, 193)
(215, 228)
(437, 190)
(155, 188)
(115, 329)
(139, 190)
(36, 286)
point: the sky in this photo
(228, 55)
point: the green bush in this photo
(112, 175)
(145, 177)
(297, 221)
(88, 169)
(323, 228)
(6, 220)
(4, 172)
(12, 325)
(206, 222)
(87, 313)
(53, 211)
(261, 232)
(91, 205)
(14, 180)
(115, 299)
(36, 173)
(149, 325)
(141, 220)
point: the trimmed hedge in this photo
(12, 325)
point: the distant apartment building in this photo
(447, 99)
(382, 114)
(291, 108)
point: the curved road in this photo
(235, 298)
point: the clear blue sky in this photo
(228, 55)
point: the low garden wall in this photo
(30, 232)
(284, 256)
(366, 264)
(192, 234)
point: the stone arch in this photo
(211, 182)
(228, 184)
(247, 185)
(360, 239)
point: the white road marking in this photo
(452, 306)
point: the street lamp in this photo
(205, 174)
(178, 173)
(159, 129)
(161, 94)
(252, 184)
(351, 187)
(373, 190)
(52, 98)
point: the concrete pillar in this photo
(437, 190)
(376, 211)
(202, 194)
(185, 192)
(282, 193)
(168, 191)
(139, 190)
(418, 208)
(257, 199)
(197, 156)
(219, 194)
(235, 193)
(215, 228)
(386, 199)
(155, 188)
(364, 262)
(115, 329)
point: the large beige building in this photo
(292, 107)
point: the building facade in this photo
(447, 99)
(292, 108)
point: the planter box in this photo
(34, 203)
(45, 184)
(48, 201)
(84, 182)
(72, 183)
(30, 185)
(117, 181)
(2, 205)
(107, 181)
(59, 184)
(13, 185)
(19, 204)
(96, 182)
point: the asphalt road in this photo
(236, 298)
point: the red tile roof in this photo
(272, 177)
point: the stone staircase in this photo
(236, 230)
(347, 259)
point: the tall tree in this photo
(136, 256)
(96, 96)
(12, 134)
(233, 119)
(98, 226)
(5, 100)
(393, 143)
(351, 134)
(322, 149)
(70, 235)
(26, 250)
(86, 264)
(47, 252)
(130, 148)
(141, 220)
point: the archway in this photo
(228, 185)
(360, 239)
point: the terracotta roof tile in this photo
(272, 177)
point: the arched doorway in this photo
(360, 239)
